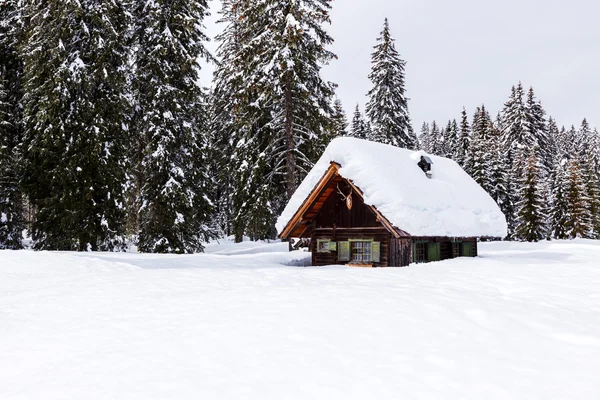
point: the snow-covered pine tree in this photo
(461, 150)
(387, 107)
(560, 205)
(231, 118)
(435, 140)
(359, 127)
(11, 200)
(291, 39)
(339, 122)
(532, 211)
(172, 116)
(538, 129)
(478, 165)
(578, 218)
(242, 154)
(582, 141)
(590, 163)
(448, 139)
(498, 168)
(554, 141)
(75, 123)
(424, 137)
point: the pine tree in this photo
(339, 121)
(578, 218)
(538, 130)
(424, 138)
(359, 127)
(388, 106)
(554, 141)
(173, 118)
(292, 41)
(514, 122)
(560, 206)
(11, 201)
(498, 179)
(75, 123)
(478, 165)
(532, 212)
(231, 119)
(285, 107)
(461, 151)
(582, 141)
(434, 139)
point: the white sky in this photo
(466, 52)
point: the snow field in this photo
(520, 322)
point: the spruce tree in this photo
(173, 117)
(498, 171)
(388, 106)
(578, 218)
(435, 141)
(75, 63)
(449, 139)
(339, 122)
(478, 165)
(11, 199)
(231, 119)
(532, 212)
(461, 150)
(560, 205)
(292, 41)
(538, 130)
(284, 107)
(425, 138)
(359, 127)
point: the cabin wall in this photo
(400, 252)
(446, 250)
(335, 212)
(377, 234)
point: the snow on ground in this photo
(520, 322)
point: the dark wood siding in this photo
(377, 234)
(447, 242)
(400, 252)
(335, 213)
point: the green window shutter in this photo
(375, 251)
(343, 251)
(467, 249)
(414, 252)
(332, 246)
(433, 252)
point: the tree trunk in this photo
(289, 136)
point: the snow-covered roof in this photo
(451, 203)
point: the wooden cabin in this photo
(343, 228)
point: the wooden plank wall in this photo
(334, 211)
(400, 252)
(378, 234)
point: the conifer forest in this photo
(109, 138)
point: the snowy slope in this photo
(520, 322)
(450, 204)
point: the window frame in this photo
(367, 247)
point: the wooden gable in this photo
(323, 208)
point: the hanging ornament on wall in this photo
(346, 198)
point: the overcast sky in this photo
(465, 52)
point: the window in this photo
(325, 246)
(364, 251)
(420, 252)
(361, 252)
